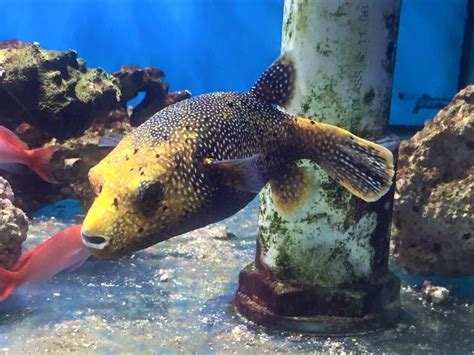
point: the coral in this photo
(13, 227)
(434, 206)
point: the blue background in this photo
(218, 45)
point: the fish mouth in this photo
(98, 242)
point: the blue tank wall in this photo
(202, 45)
(428, 58)
(212, 45)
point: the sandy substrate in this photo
(175, 297)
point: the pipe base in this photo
(348, 309)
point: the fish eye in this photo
(150, 195)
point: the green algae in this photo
(369, 96)
(324, 49)
(288, 24)
(285, 267)
(339, 198)
(54, 86)
(301, 21)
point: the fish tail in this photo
(40, 160)
(8, 283)
(364, 168)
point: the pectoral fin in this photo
(242, 174)
(291, 191)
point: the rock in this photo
(434, 294)
(164, 277)
(220, 232)
(53, 92)
(133, 80)
(6, 191)
(70, 166)
(434, 204)
(13, 227)
(51, 97)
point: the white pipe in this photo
(344, 54)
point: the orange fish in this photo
(14, 150)
(61, 251)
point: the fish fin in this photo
(22, 261)
(242, 174)
(364, 168)
(12, 138)
(292, 190)
(40, 160)
(15, 168)
(80, 258)
(8, 283)
(110, 141)
(277, 83)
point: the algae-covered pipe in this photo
(334, 255)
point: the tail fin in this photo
(364, 168)
(8, 283)
(40, 160)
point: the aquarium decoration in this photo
(327, 269)
(13, 227)
(434, 204)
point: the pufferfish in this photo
(203, 159)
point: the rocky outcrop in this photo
(13, 227)
(70, 166)
(51, 97)
(133, 79)
(53, 92)
(434, 204)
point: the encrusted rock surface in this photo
(434, 204)
(6, 191)
(53, 92)
(70, 166)
(51, 97)
(133, 79)
(13, 227)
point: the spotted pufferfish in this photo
(203, 159)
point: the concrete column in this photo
(332, 261)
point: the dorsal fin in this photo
(277, 83)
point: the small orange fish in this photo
(14, 150)
(61, 251)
